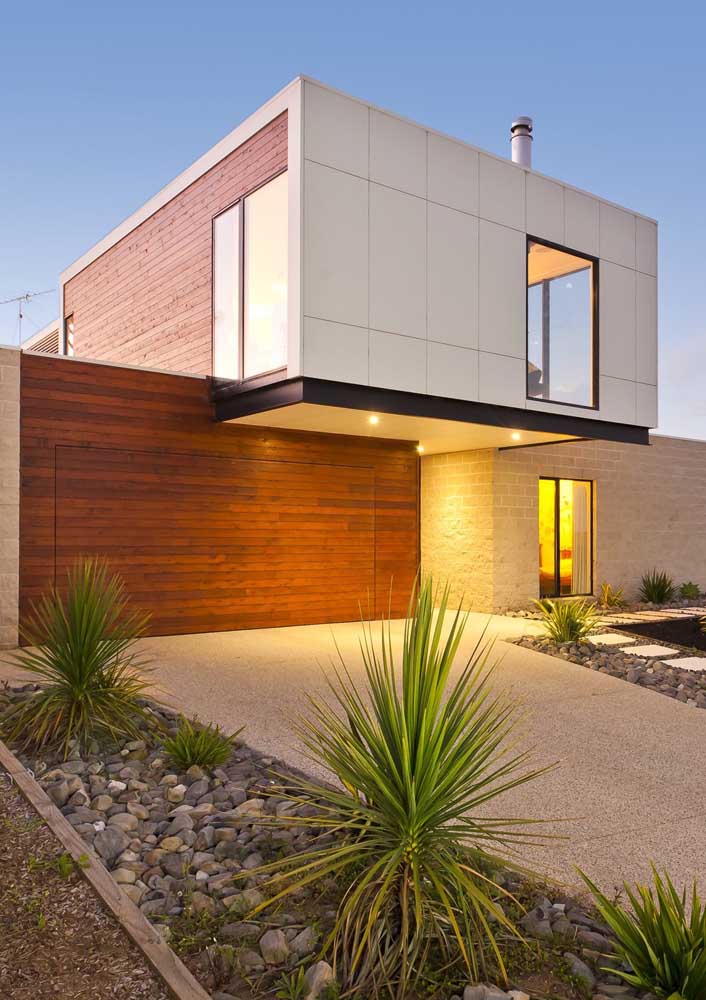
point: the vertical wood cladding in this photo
(147, 300)
(213, 526)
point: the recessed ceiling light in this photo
(420, 449)
(516, 435)
(373, 419)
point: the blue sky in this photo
(102, 105)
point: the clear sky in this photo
(102, 104)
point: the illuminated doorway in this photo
(565, 537)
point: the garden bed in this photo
(181, 845)
(56, 940)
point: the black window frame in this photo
(595, 330)
(557, 540)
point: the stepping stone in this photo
(647, 651)
(688, 662)
(609, 639)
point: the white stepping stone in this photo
(647, 651)
(688, 662)
(608, 639)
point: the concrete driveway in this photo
(630, 782)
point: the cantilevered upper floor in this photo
(330, 261)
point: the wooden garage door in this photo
(207, 542)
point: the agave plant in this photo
(657, 587)
(690, 591)
(568, 621)
(208, 746)
(661, 938)
(82, 653)
(418, 757)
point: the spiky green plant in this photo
(208, 746)
(568, 621)
(657, 587)
(418, 756)
(611, 597)
(662, 938)
(690, 591)
(82, 651)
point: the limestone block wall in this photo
(649, 511)
(9, 494)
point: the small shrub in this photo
(568, 621)
(657, 587)
(194, 743)
(416, 759)
(292, 985)
(690, 591)
(611, 597)
(83, 655)
(662, 938)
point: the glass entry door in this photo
(565, 537)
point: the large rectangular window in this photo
(250, 284)
(565, 537)
(561, 325)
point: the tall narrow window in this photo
(265, 279)
(561, 298)
(226, 294)
(565, 537)
(69, 333)
(250, 284)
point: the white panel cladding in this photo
(646, 248)
(398, 154)
(502, 192)
(336, 130)
(582, 225)
(417, 235)
(646, 310)
(336, 351)
(335, 245)
(452, 254)
(397, 262)
(545, 209)
(398, 362)
(453, 174)
(617, 241)
(501, 379)
(646, 405)
(502, 282)
(452, 372)
(617, 321)
(617, 399)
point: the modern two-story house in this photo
(337, 346)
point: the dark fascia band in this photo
(234, 399)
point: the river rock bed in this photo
(180, 846)
(688, 686)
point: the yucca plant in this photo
(611, 597)
(208, 746)
(690, 591)
(82, 651)
(418, 755)
(657, 587)
(568, 621)
(662, 938)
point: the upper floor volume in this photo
(328, 257)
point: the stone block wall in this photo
(9, 494)
(649, 511)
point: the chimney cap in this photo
(521, 123)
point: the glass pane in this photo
(265, 279)
(559, 326)
(581, 538)
(226, 293)
(547, 538)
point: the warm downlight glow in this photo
(420, 449)
(565, 549)
(373, 419)
(515, 435)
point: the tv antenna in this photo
(22, 300)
